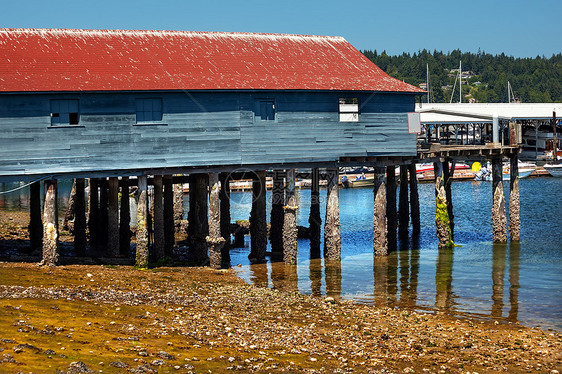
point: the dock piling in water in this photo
(142, 236)
(215, 241)
(403, 208)
(258, 222)
(159, 250)
(113, 217)
(314, 219)
(124, 219)
(224, 197)
(168, 211)
(290, 221)
(50, 224)
(80, 241)
(442, 221)
(332, 229)
(499, 219)
(198, 227)
(93, 212)
(380, 242)
(277, 203)
(391, 214)
(414, 200)
(514, 209)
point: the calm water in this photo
(515, 282)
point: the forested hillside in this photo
(536, 79)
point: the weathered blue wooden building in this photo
(95, 103)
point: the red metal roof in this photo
(110, 60)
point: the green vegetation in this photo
(536, 79)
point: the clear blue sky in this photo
(521, 28)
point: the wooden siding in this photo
(198, 129)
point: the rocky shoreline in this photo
(118, 318)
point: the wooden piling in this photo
(442, 223)
(290, 221)
(50, 224)
(380, 242)
(499, 219)
(414, 200)
(277, 203)
(158, 216)
(113, 218)
(168, 211)
(68, 221)
(142, 236)
(403, 206)
(391, 214)
(314, 219)
(179, 211)
(514, 217)
(93, 212)
(35, 220)
(258, 223)
(103, 212)
(80, 240)
(124, 219)
(215, 241)
(448, 172)
(224, 197)
(332, 229)
(198, 228)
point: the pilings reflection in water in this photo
(396, 281)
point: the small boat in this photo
(485, 174)
(554, 169)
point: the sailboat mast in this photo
(460, 81)
(427, 81)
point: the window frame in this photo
(348, 109)
(154, 119)
(258, 108)
(69, 116)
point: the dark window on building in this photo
(149, 110)
(349, 109)
(264, 109)
(64, 112)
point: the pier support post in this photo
(168, 211)
(68, 222)
(391, 215)
(215, 241)
(258, 222)
(50, 224)
(35, 220)
(142, 235)
(403, 208)
(514, 218)
(158, 217)
(314, 219)
(103, 211)
(414, 200)
(124, 219)
(442, 223)
(178, 206)
(499, 219)
(277, 203)
(332, 229)
(113, 217)
(198, 228)
(380, 242)
(93, 212)
(80, 218)
(224, 197)
(290, 221)
(448, 171)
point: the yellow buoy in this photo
(476, 166)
